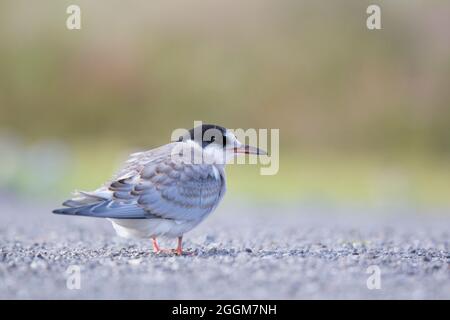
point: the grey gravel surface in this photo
(241, 252)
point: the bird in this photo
(166, 191)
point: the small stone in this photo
(134, 262)
(209, 239)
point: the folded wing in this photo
(154, 186)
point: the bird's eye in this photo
(213, 138)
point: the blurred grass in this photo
(136, 71)
(363, 115)
(302, 177)
(348, 179)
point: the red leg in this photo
(179, 249)
(156, 248)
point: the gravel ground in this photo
(240, 252)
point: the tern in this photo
(166, 191)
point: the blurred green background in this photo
(364, 116)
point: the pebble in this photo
(242, 254)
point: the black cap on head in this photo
(207, 134)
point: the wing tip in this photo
(60, 211)
(101, 210)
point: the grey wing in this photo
(174, 191)
(153, 186)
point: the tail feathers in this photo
(84, 198)
(104, 209)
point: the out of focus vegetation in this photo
(363, 115)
